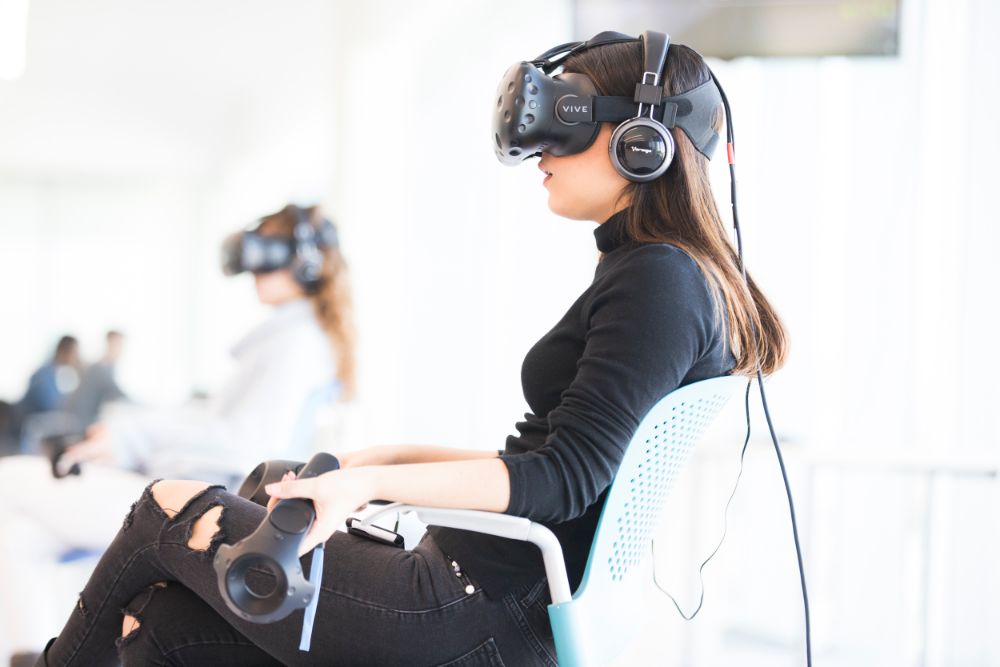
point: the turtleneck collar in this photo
(611, 234)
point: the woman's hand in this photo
(274, 499)
(335, 495)
(96, 447)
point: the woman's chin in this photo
(569, 213)
(560, 207)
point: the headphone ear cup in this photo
(306, 271)
(641, 149)
(307, 264)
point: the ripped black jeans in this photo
(379, 605)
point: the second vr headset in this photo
(561, 114)
(302, 253)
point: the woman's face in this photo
(277, 287)
(585, 186)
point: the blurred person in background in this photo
(303, 350)
(8, 439)
(47, 390)
(51, 383)
(98, 385)
(95, 389)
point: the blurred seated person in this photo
(305, 348)
(47, 390)
(98, 385)
(96, 388)
(8, 423)
(54, 380)
(48, 386)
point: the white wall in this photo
(458, 264)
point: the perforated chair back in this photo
(603, 616)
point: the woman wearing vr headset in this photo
(298, 358)
(305, 348)
(667, 307)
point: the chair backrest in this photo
(301, 446)
(604, 614)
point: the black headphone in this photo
(307, 264)
(561, 114)
(302, 254)
(642, 148)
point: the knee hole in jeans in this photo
(175, 493)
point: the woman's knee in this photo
(174, 495)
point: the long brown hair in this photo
(678, 208)
(331, 299)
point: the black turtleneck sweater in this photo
(644, 327)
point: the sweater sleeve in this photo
(648, 321)
(253, 418)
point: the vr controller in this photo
(54, 446)
(273, 548)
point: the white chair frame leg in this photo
(501, 525)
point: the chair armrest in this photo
(501, 525)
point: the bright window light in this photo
(13, 37)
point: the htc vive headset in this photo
(561, 114)
(251, 251)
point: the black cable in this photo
(725, 526)
(730, 149)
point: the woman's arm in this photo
(481, 484)
(387, 455)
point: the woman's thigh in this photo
(387, 606)
(378, 604)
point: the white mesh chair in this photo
(592, 626)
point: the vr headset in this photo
(561, 114)
(256, 253)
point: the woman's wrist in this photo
(365, 481)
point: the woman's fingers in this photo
(334, 495)
(96, 449)
(80, 452)
(274, 500)
(292, 488)
(322, 529)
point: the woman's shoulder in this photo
(655, 265)
(657, 283)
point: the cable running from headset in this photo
(731, 153)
